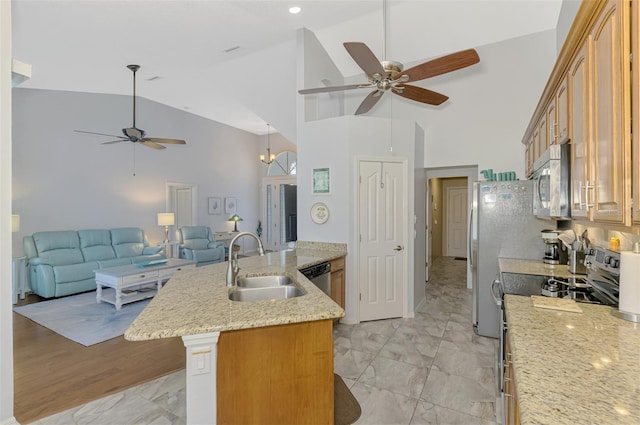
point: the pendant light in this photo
(270, 157)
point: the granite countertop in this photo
(535, 267)
(195, 301)
(574, 368)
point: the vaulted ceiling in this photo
(185, 47)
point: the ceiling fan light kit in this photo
(386, 75)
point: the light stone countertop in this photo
(574, 368)
(535, 267)
(195, 301)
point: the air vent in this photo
(231, 49)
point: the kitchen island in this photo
(573, 368)
(234, 347)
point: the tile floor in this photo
(431, 369)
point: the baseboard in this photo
(9, 421)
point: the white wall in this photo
(66, 180)
(338, 143)
(6, 313)
(567, 14)
(489, 107)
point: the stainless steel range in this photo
(603, 275)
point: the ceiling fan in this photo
(386, 75)
(134, 134)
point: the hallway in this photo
(431, 369)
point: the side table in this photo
(19, 277)
(171, 248)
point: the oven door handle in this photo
(497, 297)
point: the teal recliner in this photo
(197, 243)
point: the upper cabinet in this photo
(609, 186)
(635, 108)
(587, 102)
(579, 129)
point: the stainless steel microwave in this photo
(551, 188)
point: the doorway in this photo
(438, 236)
(279, 212)
(182, 200)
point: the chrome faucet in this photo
(232, 264)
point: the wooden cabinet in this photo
(579, 130)
(338, 281)
(512, 415)
(557, 116)
(610, 153)
(635, 108)
(529, 156)
(276, 375)
(587, 101)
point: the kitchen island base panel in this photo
(277, 374)
(201, 377)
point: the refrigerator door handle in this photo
(471, 238)
(496, 297)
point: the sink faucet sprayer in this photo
(232, 265)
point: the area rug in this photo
(80, 319)
(346, 409)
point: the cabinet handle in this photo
(586, 192)
(142, 276)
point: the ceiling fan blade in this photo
(100, 134)
(152, 145)
(369, 102)
(442, 65)
(419, 94)
(113, 141)
(365, 58)
(330, 89)
(169, 141)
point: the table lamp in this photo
(235, 218)
(166, 220)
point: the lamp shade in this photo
(166, 219)
(235, 218)
(15, 223)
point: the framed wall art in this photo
(230, 205)
(321, 181)
(215, 205)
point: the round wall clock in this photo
(319, 213)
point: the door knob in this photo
(398, 248)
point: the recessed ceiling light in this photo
(294, 10)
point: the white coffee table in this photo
(134, 283)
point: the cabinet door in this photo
(562, 113)
(578, 79)
(610, 156)
(543, 135)
(552, 123)
(338, 281)
(635, 108)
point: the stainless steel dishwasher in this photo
(319, 275)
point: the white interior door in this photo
(183, 207)
(457, 222)
(427, 230)
(182, 201)
(382, 224)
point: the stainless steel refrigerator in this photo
(502, 224)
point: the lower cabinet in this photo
(338, 280)
(511, 403)
(276, 375)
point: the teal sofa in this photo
(198, 243)
(63, 262)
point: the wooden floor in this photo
(53, 374)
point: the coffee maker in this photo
(554, 252)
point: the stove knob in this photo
(607, 259)
(615, 263)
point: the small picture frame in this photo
(321, 181)
(230, 205)
(215, 205)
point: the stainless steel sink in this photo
(281, 292)
(263, 281)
